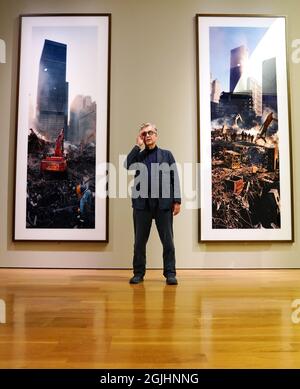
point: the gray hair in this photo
(148, 124)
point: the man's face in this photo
(149, 136)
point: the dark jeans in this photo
(142, 221)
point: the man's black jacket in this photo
(165, 184)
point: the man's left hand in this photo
(176, 209)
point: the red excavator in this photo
(56, 162)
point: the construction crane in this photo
(238, 116)
(56, 162)
(264, 127)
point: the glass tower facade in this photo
(52, 95)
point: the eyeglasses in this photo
(145, 133)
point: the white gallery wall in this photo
(153, 78)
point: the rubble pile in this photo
(255, 206)
(36, 143)
(52, 201)
(245, 172)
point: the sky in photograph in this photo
(222, 40)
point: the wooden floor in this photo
(95, 319)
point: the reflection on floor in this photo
(95, 319)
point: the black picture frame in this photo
(62, 128)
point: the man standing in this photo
(156, 195)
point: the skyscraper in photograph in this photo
(52, 94)
(215, 93)
(238, 60)
(269, 84)
(82, 127)
(256, 90)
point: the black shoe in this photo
(171, 280)
(136, 279)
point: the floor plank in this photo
(95, 319)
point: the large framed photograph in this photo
(244, 142)
(62, 127)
